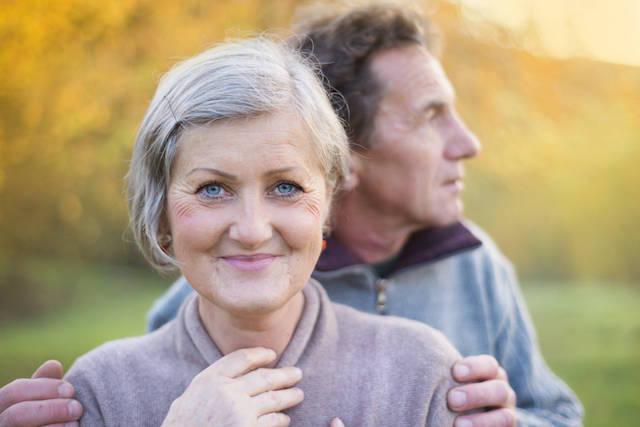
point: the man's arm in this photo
(166, 307)
(543, 399)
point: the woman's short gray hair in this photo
(237, 79)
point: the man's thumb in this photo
(49, 369)
(336, 422)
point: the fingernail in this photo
(461, 371)
(298, 371)
(65, 390)
(75, 409)
(463, 423)
(457, 398)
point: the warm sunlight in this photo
(605, 30)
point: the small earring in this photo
(165, 241)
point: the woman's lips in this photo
(250, 262)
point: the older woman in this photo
(231, 181)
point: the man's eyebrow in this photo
(214, 171)
(439, 99)
(434, 103)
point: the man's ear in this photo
(355, 167)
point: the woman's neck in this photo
(232, 332)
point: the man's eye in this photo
(433, 112)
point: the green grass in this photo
(590, 334)
(100, 305)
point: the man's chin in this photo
(446, 216)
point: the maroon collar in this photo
(423, 246)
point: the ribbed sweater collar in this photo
(190, 324)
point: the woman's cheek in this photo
(194, 227)
(301, 224)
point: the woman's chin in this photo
(254, 298)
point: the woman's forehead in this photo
(270, 139)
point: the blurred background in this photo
(552, 89)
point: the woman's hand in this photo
(236, 391)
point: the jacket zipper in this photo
(381, 295)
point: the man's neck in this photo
(369, 232)
(232, 332)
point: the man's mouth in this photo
(454, 184)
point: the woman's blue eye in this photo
(212, 190)
(286, 188)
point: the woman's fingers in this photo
(242, 361)
(49, 369)
(274, 420)
(277, 401)
(264, 379)
(336, 422)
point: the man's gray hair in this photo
(239, 79)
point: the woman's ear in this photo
(165, 239)
(355, 166)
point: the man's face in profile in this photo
(414, 166)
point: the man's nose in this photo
(462, 143)
(251, 226)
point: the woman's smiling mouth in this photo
(252, 262)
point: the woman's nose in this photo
(251, 226)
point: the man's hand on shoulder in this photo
(42, 400)
(485, 390)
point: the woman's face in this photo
(246, 205)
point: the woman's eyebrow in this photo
(214, 171)
(286, 169)
(232, 177)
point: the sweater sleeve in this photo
(82, 376)
(439, 413)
